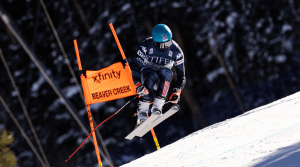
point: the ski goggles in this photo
(163, 45)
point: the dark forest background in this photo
(259, 41)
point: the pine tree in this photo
(7, 157)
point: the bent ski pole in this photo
(98, 126)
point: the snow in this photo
(54, 106)
(62, 116)
(176, 5)
(13, 47)
(54, 53)
(70, 91)
(110, 140)
(85, 44)
(214, 74)
(26, 154)
(14, 94)
(18, 73)
(80, 140)
(215, 3)
(280, 58)
(266, 136)
(96, 106)
(228, 51)
(112, 19)
(260, 23)
(83, 111)
(111, 109)
(63, 137)
(199, 53)
(153, 4)
(107, 35)
(231, 19)
(36, 85)
(286, 27)
(58, 60)
(269, 29)
(207, 5)
(287, 45)
(126, 7)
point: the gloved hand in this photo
(175, 96)
(141, 89)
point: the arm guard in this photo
(180, 70)
(138, 62)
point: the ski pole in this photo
(98, 126)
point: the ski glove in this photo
(175, 96)
(141, 89)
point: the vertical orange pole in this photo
(87, 106)
(117, 40)
(154, 138)
(93, 134)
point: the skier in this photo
(152, 71)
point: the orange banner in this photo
(110, 83)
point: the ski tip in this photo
(129, 137)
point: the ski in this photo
(141, 126)
(155, 122)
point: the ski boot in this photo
(158, 105)
(142, 112)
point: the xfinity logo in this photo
(101, 77)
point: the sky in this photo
(267, 136)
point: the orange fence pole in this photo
(154, 138)
(117, 40)
(87, 106)
(77, 55)
(94, 135)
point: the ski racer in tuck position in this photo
(152, 71)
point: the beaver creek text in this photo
(112, 92)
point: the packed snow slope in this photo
(266, 136)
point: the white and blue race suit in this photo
(152, 68)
